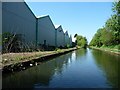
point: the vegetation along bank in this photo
(107, 38)
(20, 61)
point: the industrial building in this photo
(70, 38)
(67, 39)
(46, 31)
(60, 37)
(17, 18)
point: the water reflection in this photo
(109, 64)
(78, 69)
(38, 75)
(80, 53)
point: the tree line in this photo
(109, 34)
(80, 41)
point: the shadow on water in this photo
(110, 65)
(83, 68)
(36, 76)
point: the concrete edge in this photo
(22, 65)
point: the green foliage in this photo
(81, 41)
(110, 34)
(56, 49)
(68, 45)
(97, 40)
(15, 43)
(117, 47)
(10, 42)
(116, 7)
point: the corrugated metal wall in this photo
(17, 18)
(67, 41)
(46, 31)
(60, 37)
(70, 40)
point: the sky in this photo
(83, 18)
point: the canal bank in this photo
(20, 61)
(110, 51)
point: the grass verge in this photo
(15, 58)
(110, 49)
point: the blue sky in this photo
(83, 18)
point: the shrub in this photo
(10, 42)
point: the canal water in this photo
(78, 69)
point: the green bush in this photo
(68, 46)
(117, 47)
(10, 42)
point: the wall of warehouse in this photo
(67, 41)
(70, 40)
(17, 18)
(46, 31)
(60, 36)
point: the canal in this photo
(78, 69)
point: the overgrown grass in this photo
(20, 57)
(114, 48)
(58, 50)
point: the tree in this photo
(81, 41)
(96, 41)
(116, 7)
(110, 33)
(116, 10)
(10, 42)
(113, 27)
